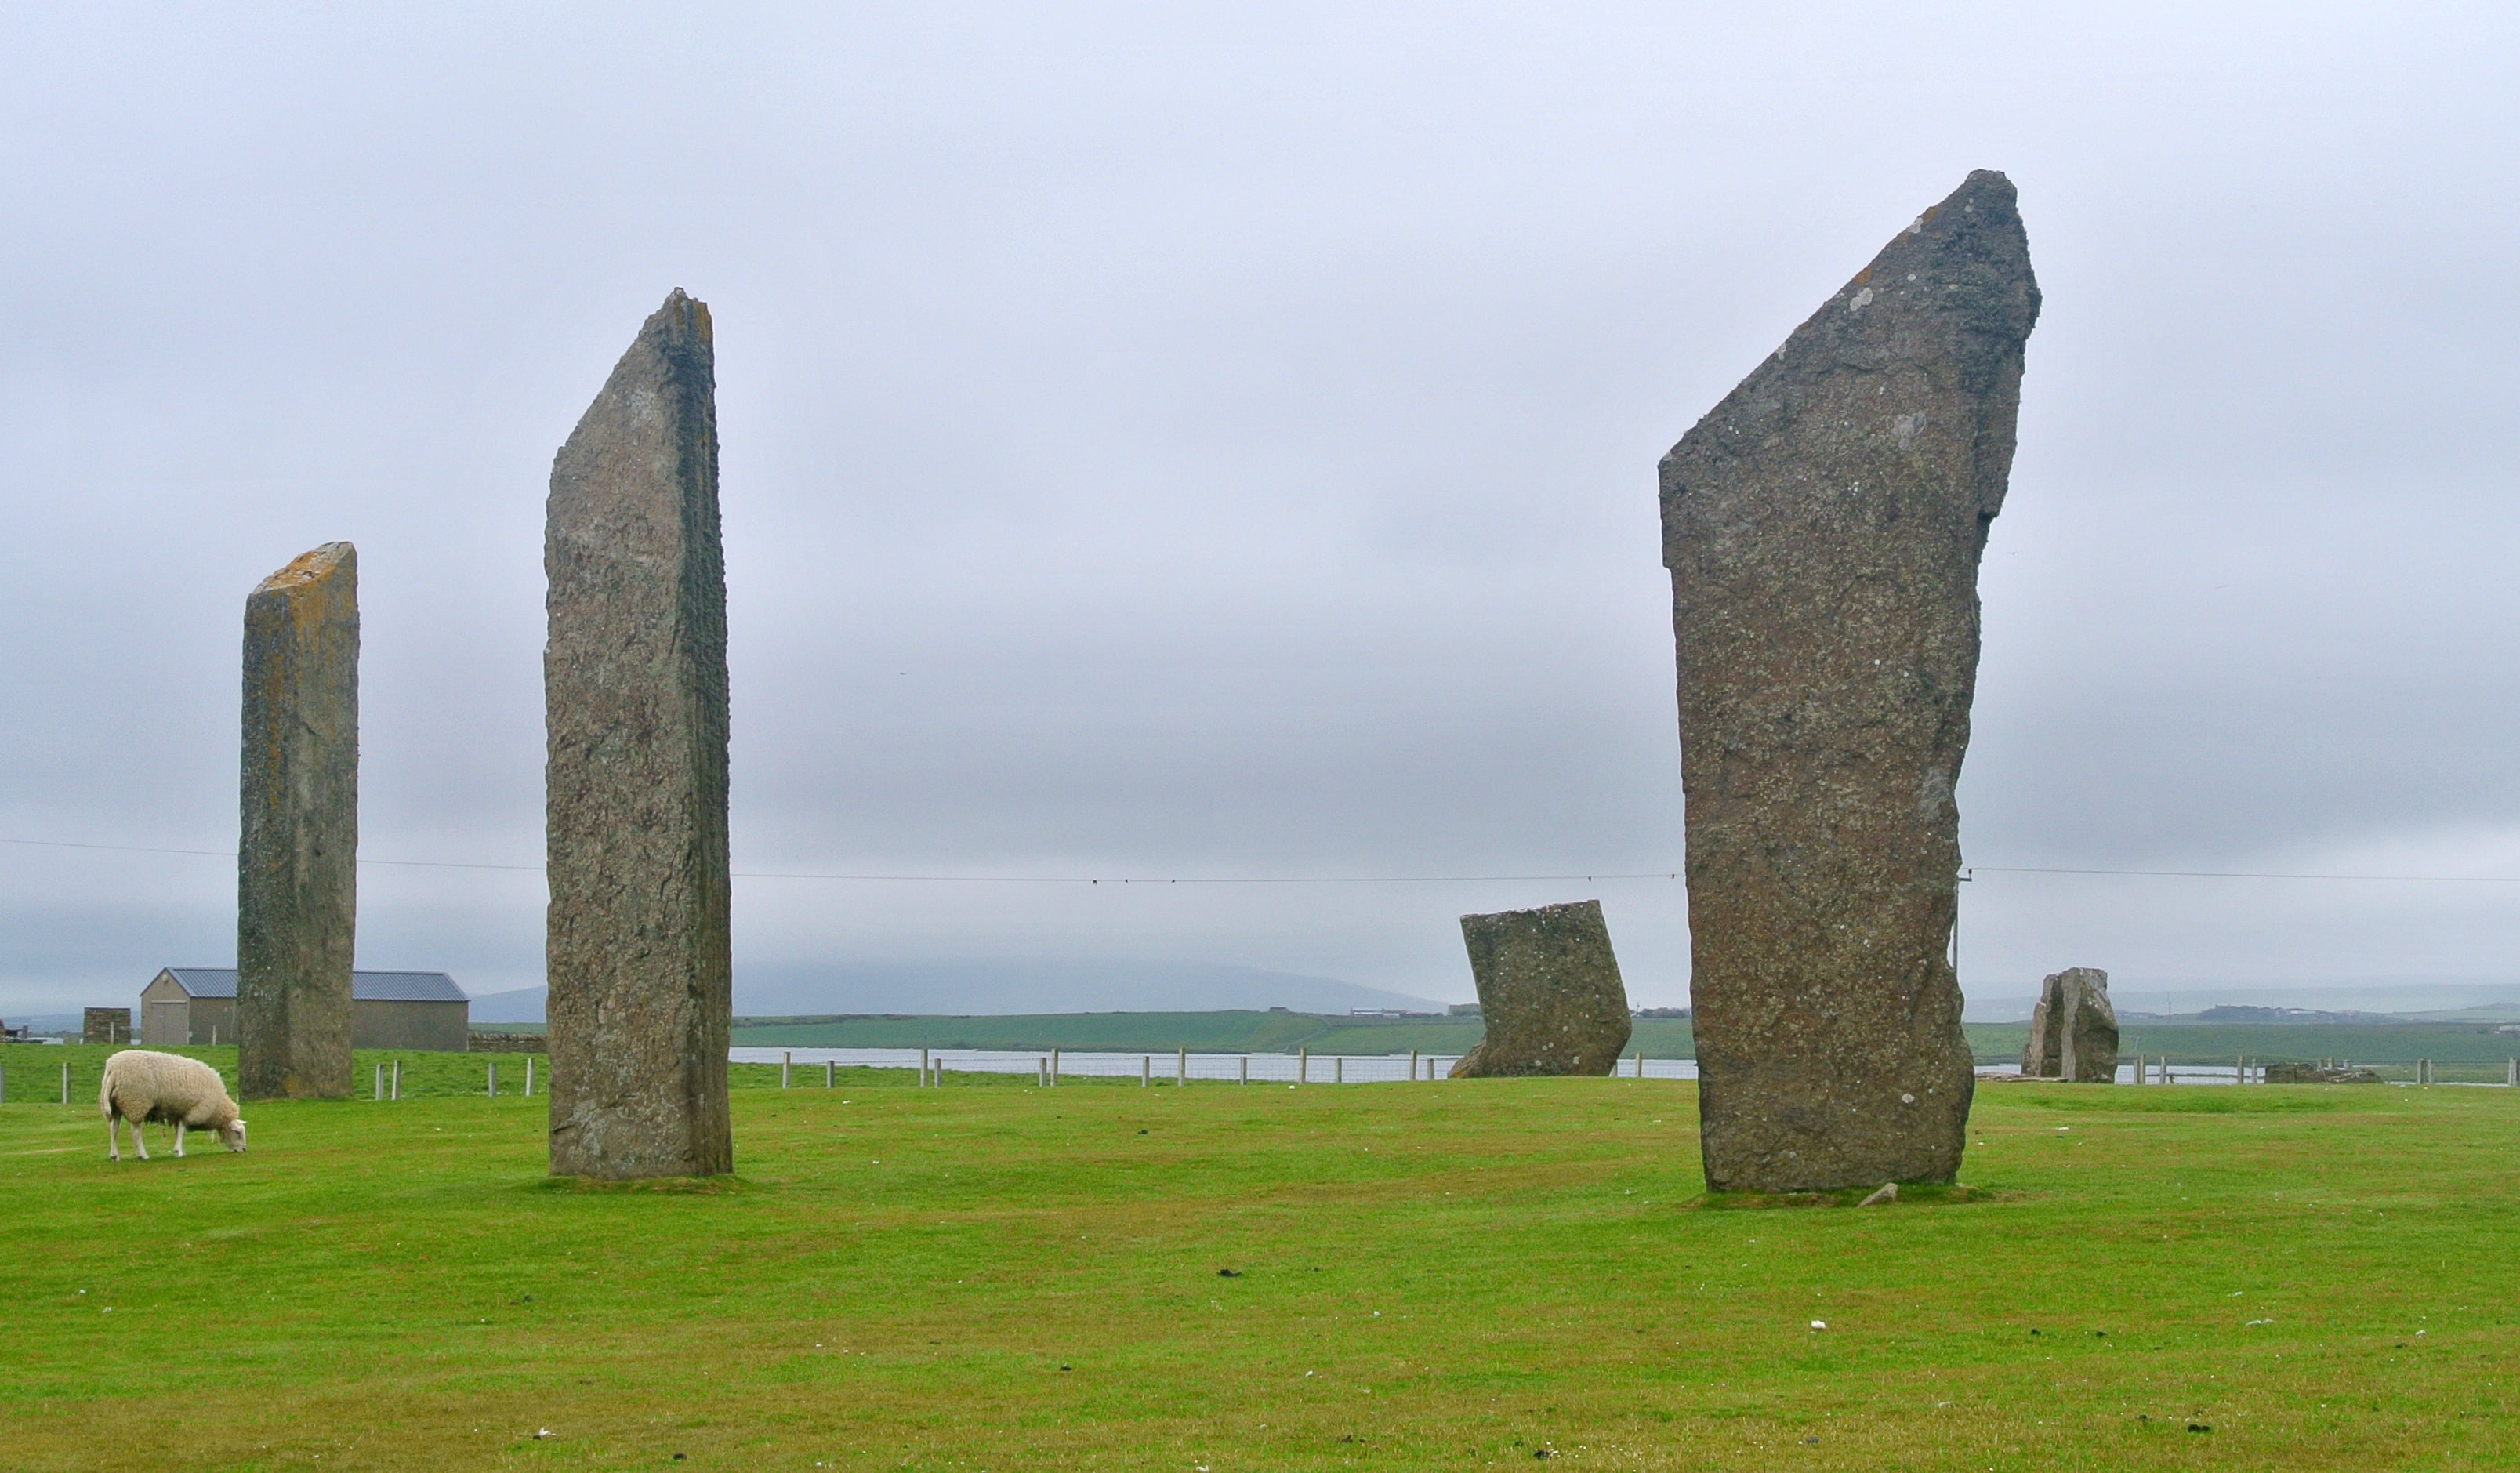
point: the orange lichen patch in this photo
(307, 569)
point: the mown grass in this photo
(1429, 1275)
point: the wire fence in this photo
(1173, 1066)
(37, 1074)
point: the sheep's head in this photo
(233, 1133)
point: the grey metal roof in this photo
(365, 987)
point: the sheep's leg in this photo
(139, 1142)
(179, 1137)
(114, 1135)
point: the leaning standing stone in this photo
(1550, 993)
(1823, 526)
(635, 712)
(297, 886)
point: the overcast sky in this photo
(1181, 441)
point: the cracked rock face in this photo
(1823, 526)
(635, 781)
(298, 881)
(1550, 996)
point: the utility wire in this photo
(969, 879)
(1318, 879)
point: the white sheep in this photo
(143, 1085)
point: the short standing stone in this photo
(634, 681)
(297, 892)
(1823, 526)
(1549, 995)
(2088, 1031)
(2073, 1029)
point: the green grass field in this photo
(1428, 1276)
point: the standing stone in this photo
(634, 691)
(2043, 1051)
(1550, 993)
(2073, 1029)
(2088, 1031)
(297, 885)
(1823, 526)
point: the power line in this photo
(1319, 879)
(2437, 880)
(946, 879)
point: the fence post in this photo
(1412, 1066)
(1054, 1068)
(829, 1068)
(65, 1082)
(379, 1094)
(494, 1078)
(2510, 1075)
(1303, 1067)
(923, 1068)
(1641, 1063)
(1181, 1069)
(529, 1076)
(1146, 1070)
(397, 1079)
(1045, 1071)
(1338, 1068)
(1245, 1075)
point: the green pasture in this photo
(32, 1074)
(1421, 1276)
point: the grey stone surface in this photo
(297, 892)
(2073, 1029)
(634, 681)
(1550, 994)
(1823, 526)
(2042, 1051)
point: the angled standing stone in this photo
(1823, 526)
(297, 886)
(1550, 996)
(634, 689)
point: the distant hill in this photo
(2229, 1014)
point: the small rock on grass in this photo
(1888, 1192)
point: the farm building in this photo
(418, 1010)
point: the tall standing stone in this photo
(635, 710)
(297, 882)
(1823, 526)
(1550, 1000)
